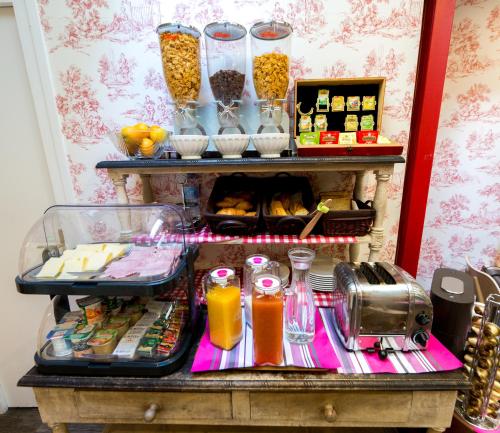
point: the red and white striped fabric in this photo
(206, 236)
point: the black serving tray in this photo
(109, 288)
(136, 368)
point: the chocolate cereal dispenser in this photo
(481, 405)
(180, 56)
(271, 65)
(226, 57)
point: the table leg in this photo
(359, 185)
(147, 191)
(354, 252)
(380, 205)
(58, 428)
(119, 181)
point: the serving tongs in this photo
(322, 208)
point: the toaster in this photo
(379, 307)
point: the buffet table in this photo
(259, 399)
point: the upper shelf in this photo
(251, 163)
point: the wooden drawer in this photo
(366, 408)
(171, 406)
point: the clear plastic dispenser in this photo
(271, 45)
(181, 61)
(226, 61)
(122, 281)
(104, 250)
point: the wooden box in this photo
(306, 92)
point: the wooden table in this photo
(381, 166)
(260, 399)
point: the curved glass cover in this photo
(109, 329)
(142, 243)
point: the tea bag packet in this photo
(353, 103)
(323, 101)
(367, 123)
(320, 123)
(369, 103)
(338, 103)
(347, 138)
(309, 138)
(351, 122)
(305, 122)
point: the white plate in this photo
(323, 266)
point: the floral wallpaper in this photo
(105, 63)
(463, 210)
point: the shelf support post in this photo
(147, 191)
(379, 204)
(119, 181)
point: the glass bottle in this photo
(299, 306)
(267, 311)
(223, 295)
(254, 264)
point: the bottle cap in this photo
(268, 284)
(221, 275)
(257, 261)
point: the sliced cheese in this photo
(66, 276)
(117, 250)
(90, 247)
(51, 268)
(96, 261)
(76, 265)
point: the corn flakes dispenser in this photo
(180, 56)
(226, 57)
(271, 43)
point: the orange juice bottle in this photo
(267, 320)
(224, 307)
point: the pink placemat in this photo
(435, 358)
(326, 352)
(318, 354)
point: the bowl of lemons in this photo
(141, 141)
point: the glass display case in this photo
(104, 250)
(137, 310)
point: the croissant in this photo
(231, 211)
(297, 206)
(244, 205)
(277, 208)
(251, 214)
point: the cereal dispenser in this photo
(271, 64)
(180, 56)
(226, 54)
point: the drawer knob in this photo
(330, 413)
(150, 413)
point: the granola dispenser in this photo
(226, 57)
(180, 56)
(271, 64)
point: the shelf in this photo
(205, 236)
(212, 163)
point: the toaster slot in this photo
(382, 272)
(369, 273)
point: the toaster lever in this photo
(380, 349)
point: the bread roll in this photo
(231, 211)
(244, 205)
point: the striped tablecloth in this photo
(326, 351)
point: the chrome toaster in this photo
(379, 307)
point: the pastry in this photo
(244, 205)
(231, 211)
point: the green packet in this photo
(309, 137)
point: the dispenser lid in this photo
(271, 31)
(453, 285)
(178, 28)
(257, 261)
(225, 31)
(221, 275)
(268, 284)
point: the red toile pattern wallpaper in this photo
(463, 212)
(105, 64)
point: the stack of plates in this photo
(321, 275)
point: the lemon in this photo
(141, 126)
(147, 147)
(157, 134)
